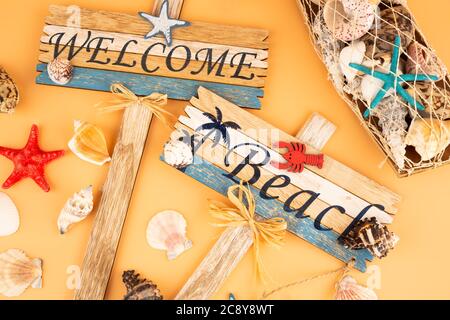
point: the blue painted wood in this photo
(142, 85)
(213, 177)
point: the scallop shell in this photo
(89, 143)
(348, 20)
(353, 53)
(348, 289)
(18, 272)
(60, 71)
(9, 216)
(435, 99)
(178, 154)
(76, 209)
(430, 138)
(167, 231)
(9, 94)
(139, 289)
(423, 60)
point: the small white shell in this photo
(18, 272)
(348, 289)
(167, 231)
(354, 53)
(60, 71)
(178, 154)
(9, 216)
(76, 209)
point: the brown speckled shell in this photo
(139, 289)
(60, 71)
(436, 100)
(9, 94)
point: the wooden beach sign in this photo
(106, 48)
(318, 204)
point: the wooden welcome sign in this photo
(318, 204)
(110, 47)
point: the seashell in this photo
(428, 137)
(9, 216)
(423, 60)
(89, 143)
(371, 235)
(139, 289)
(435, 99)
(60, 71)
(354, 53)
(178, 154)
(348, 20)
(167, 231)
(9, 94)
(348, 289)
(18, 272)
(76, 209)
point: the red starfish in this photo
(30, 161)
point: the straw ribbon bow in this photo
(126, 98)
(271, 231)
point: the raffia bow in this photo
(126, 98)
(272, 231)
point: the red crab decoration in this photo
(296, 157)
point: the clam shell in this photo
(348, 289)
(76, 209)
(89, 143)
(178, 154)
(348, 19)
(429, 137)
(9, 216)
(167, 231)
(18, 272)
(9, 94)
(353, 53)
(60, 71)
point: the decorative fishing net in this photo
(364, 32)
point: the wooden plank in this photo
(141, 45)
(213, 177)
(334, 219)
(316, 132)
(159, 63)
(333, 170)
(215, 268)
(175, 8)
(307, 180)
(142, 85)
(198, 31)
(112, 210)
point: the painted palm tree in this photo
(218, 128)
(191, 140)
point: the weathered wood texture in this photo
(333, 171)
(316, 132)
(112, 210)
(174, 8)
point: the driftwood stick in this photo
(175, 7)
(316, 131)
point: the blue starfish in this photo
(163, 24)
(392, 80)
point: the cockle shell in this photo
(9, 216)
(353, 53)
(76, 209)
(60, 71)
(167, 231)
(178, 154)
(435, 99)
(422, 60)
(348, 19)
(9, 94)
(18, 272)
(429, 137)
(348, 289)
(89, 143)
(139, 289)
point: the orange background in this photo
(296, 86)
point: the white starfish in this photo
(163, 24)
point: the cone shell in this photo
(348, 289)
(9, 216)
(430, 138)
(9, 94)
(178, 154)
(89, 143)
(76, 209)
(167, 231)
(18, 272)
(60, 71)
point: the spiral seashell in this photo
(76, 209)
(9, 94)
(167, 231)
(60, 71)
(9, 216)
(422, 60)
(18, 272)
(139, 289)
(348, 289)
(178, 154)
